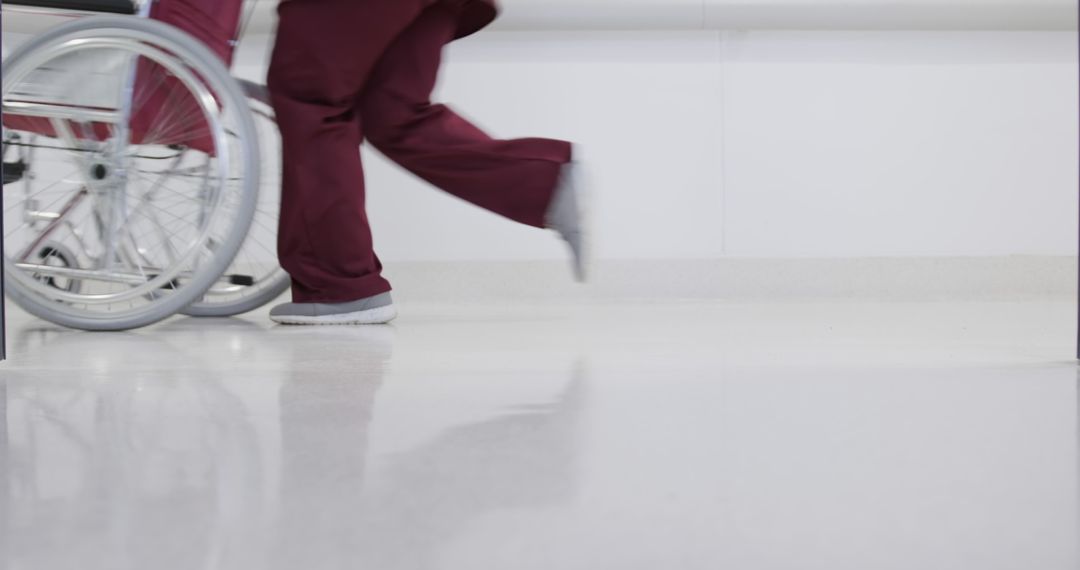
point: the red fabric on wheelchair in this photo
(159, 96)
(213, 22)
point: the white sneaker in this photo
(567, 216)
(375, 310)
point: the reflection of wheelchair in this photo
(131, 167)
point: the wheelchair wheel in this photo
(133, 158)
(254, 278)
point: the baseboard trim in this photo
(937, 278)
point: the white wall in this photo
(768, 144)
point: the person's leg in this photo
(514, 178)
(324, 55)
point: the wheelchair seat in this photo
(104, 6)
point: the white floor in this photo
(684, 436)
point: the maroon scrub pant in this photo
(344, 71)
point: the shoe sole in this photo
(379, 316)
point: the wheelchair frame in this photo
(203, 303)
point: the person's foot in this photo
(567, 216)
(375, 310)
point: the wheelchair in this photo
(134, 188)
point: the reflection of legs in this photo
(527, 459)
(324, 54)
(325, 427)
(513, 178)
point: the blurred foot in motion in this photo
(567, 216)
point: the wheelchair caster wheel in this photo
(58, 255)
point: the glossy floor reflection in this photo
(685, 436)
